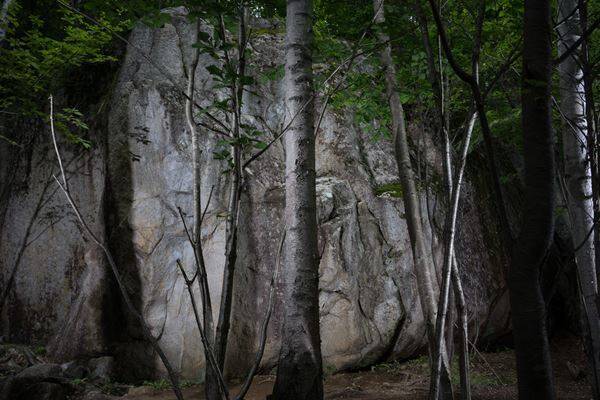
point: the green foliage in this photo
(68, 122)
(389, 189)
(508, 178)
(364, 97)
(481, 375)
(164, 384)
(560, 211)
(393, 367)
(329, 369)
(161, 384)
(113, 388)
(36, 58)
(43, 47)
(190, 383)
(416, 365)
(39, 350)
(271, 74)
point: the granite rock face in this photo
(370, 310)
(55, 278)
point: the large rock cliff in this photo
(140, 172)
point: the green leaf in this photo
(246, 80)
(214, 70)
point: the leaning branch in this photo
(448, 260)
(346, 62)
(265, 324)
(462, 74)
(473, 81)
(567, 53)
(207, 348)
(121, 285)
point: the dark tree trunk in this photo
(472, 79)
(534, 369)
(300, 370)
(233, 207)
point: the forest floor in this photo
(493, 377)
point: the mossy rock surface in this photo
(389, 189)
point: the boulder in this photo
(43, 391)
(101, 368)
(370, 308)
(41, 372)
(75, 370)
(30, 388)
(97, 395)
(130, 185)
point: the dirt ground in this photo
(493, 377)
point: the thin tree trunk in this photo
(235, 191)
(592, 126)
(450, 264)
(463, 331)
(435, 78)
(300, 369)
(265, 324)
(211, 386)
(479, 99)
(459, 297)
(578, 181)
(423, 263)
(434, 74)
(534, 370)
(210, 358)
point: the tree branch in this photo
(121, 285)
(567, 53)
(462, 74)
(265, 324)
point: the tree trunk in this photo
(211, 385)
(534, 369)
(233, 207)
(591, 125)
(578, 181)
(300, 369)
(450, 270)
(472, 80)
(463, 331)
(437, 86)
(423, 263)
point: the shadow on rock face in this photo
(133, 354)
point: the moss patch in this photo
(389, 189)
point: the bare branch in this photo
(567, 53)
(348, 61)
(210, 357)
(60, 164)
(207, 204)
(512, 57)
(122, 288)
(265, 324)
(462, 74)
(448, 259)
